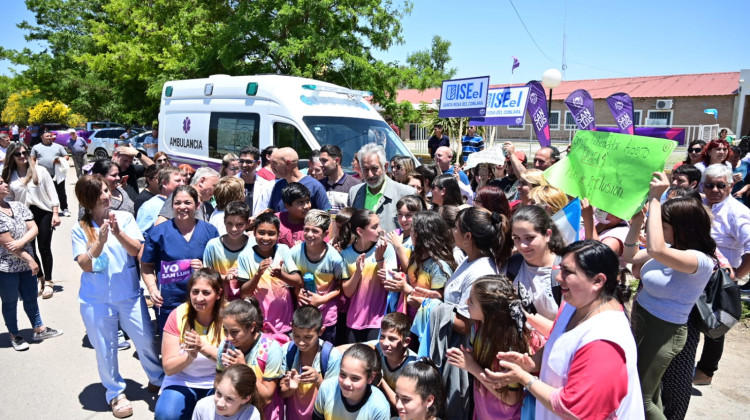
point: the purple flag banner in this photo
(670, 133)
(581, 105)
(537, 107)
(621, 107)
(516, 64)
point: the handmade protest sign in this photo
(612, 170)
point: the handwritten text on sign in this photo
(612, 170)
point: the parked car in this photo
(103, 142)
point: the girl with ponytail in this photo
(482, 236)
(499, 325)
(236, 396)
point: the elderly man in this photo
(379, 193)
(284, 165)
(546, 157)
(79, 148)
(731, 231)
(204, 181)
(443, 158)
(130, 173)
(337, 183)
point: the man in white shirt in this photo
(731, 231)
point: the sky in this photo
(604, 39)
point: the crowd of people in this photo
(418, 292)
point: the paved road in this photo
(57, 379)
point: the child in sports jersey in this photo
(222, 253)
(268, 273)
(308, 361)
(236, 396)
(367, 261)
(314, 257)
(401, 239)
(296, 198)
(246, 344)
(352, 396)
(393, 348)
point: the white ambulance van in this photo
(201, 120)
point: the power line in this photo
(528, 32)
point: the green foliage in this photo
(745, 310)
(110, 59)
(428, 67)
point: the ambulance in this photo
(201, 120)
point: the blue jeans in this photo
(25, 284)
(101, 320)
(178, 402)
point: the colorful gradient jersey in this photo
(367, 305)
(328, 273)
(273, 294)
(330, 405)
(300, 405)
(222, 259)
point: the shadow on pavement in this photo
(92, 398)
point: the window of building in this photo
(554, 120)
(659, 118)
(637, 115)
(570, 121)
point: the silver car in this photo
(103, 142)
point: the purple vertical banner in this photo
(581, 105)
(537, 108)
(621, 106)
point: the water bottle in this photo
(309, 280)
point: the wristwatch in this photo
(139, 155)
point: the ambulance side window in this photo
(287, 135)
(229, 132)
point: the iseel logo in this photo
(186, 125)
(452, 92)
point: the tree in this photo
(111, 58)
(49, 112)
(18, 105)
(429, 66)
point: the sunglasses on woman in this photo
(695, 150)
(19, 154)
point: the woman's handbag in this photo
(719, 307)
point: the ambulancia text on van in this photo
(201, 120)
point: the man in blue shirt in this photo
(284, 165)
(151, 143)
(471, 142)
(443, 158)
(79, 148)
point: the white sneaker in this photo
(18, 343)
(66, 213)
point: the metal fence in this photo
(525, 137)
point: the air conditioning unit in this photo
(664, 103)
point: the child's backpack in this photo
(324, 355)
